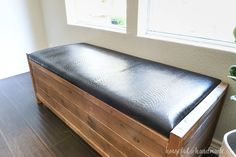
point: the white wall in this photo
(206, 61)
(21, 31)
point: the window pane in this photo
(210, 19)
(103, 13)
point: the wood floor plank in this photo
(21, 140)
(39, 118)
(35, 125)
(4, 150)
(73, 146)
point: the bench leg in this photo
(39, 102)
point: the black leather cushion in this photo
(157, 95)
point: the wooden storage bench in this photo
(127, 106)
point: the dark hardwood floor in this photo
(31, 130)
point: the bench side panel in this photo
(193, 135)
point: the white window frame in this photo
(70, 21)
(142, 31)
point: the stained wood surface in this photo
(95, 120)
(112, 133)
(30, 130)
(194, 133)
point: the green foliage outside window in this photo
(234, 32)
(232, 75)
(118, 21)
(232, 69)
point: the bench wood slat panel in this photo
(73, 91)
(144, 141)
(89, 135)
(91, 121)
(132, 135)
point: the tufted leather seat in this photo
(155, 94)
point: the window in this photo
(206, 20)
(102, 14)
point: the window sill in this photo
(192, 41)
(108, 28)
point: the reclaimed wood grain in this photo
(112, 133)
(135, 137)
(195, 131)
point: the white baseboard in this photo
(215, 146)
